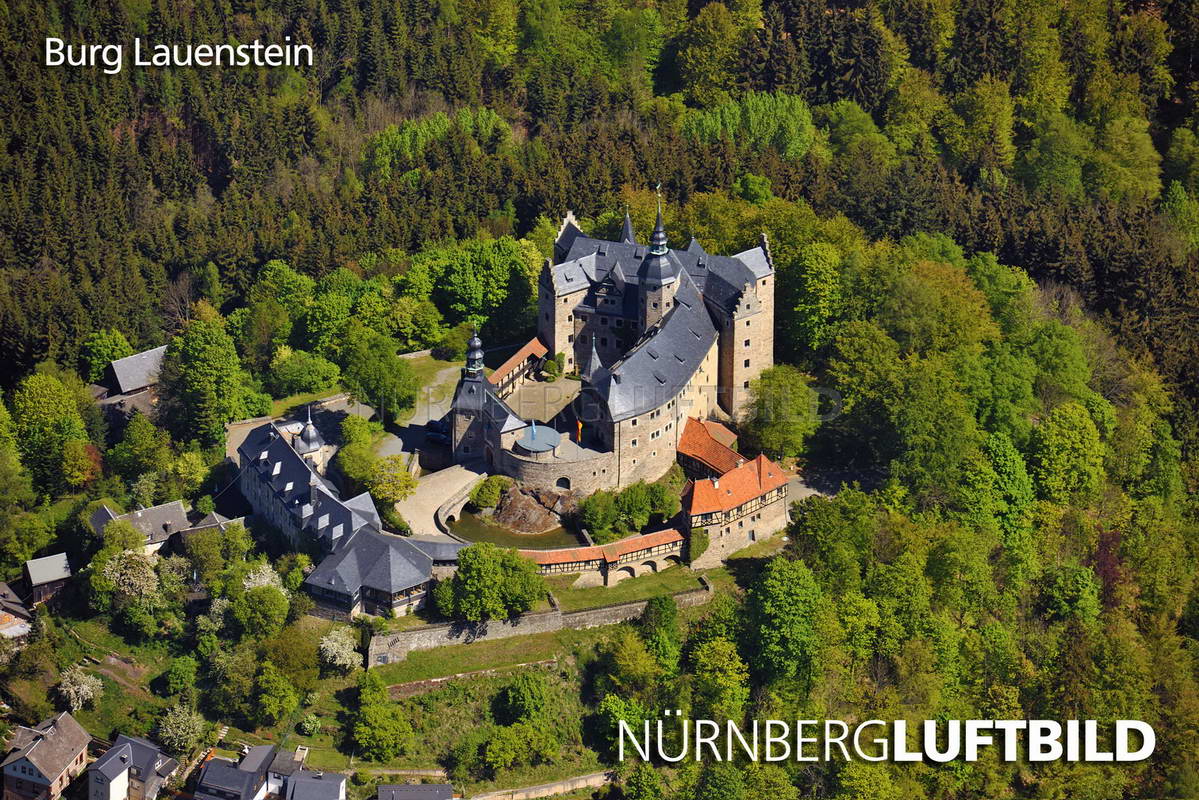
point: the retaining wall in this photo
(388, 648)
(563, 786)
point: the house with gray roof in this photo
(43, 760)
(415, 791)
(132, 769)
(306, 785)
(45, 577)
(16, 619)
(656, 334)
(246, 779)
(160, 524)
(366, 569)
(137, 372)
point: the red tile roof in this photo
(720, 432)
(734, 488)
(610, 552)
(534, 348)
(698, 442)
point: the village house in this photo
(161, 524)
(43, 760)
(132, 769)
(45, 577)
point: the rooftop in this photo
(534, 348)
(50, 745)
(699, 442)
(306, 785)
(133, 751)
(47, 569)
(610, 552)
(138, 370)
(156, 523)
(734, 488)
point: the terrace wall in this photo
(387, 648)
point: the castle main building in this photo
(656, 334)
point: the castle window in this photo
(763, 283)
(747, 342)
(570, 317)
(620, 323)
(565, 300)
(655, 305)
(745, 385)
(633, 443)
(603, 320)
(747, 323)
(747, 362)
(634, 422)
(570, 337)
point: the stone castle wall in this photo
(585, 476)
(726, 538)
(391, 647)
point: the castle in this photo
(655, 334)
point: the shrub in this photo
(309, 725)
(488, 493)
(697, 544)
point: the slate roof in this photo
(307, 785)
(153, 765)
(51, 745)
(11, 604)
(257, 759)
(222, 775)
(698, 442)
(438, 549)
(734, 488)
(267, 452)
(663, 360)
(285, 763)
(156, 523)
(375, 560)
(587, 261)
(47, 569)
(416, 791)
(138, 370)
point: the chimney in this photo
(716, 483)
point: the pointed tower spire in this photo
(626, 235)
(657, 241)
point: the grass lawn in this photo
(281, 407)
(670, 581)
(432, 391)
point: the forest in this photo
(984, 217)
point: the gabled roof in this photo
(286, 762)
(611, 552)
(11, 604)
(373, 560)
(416, 791)
(153, 765)
(312, 502)
(47, 569)
(308, 785)
(156, 523)
(221, 774)
(138, 370)
(661, 364)
(51, 745)
(531, 349)
(721, 279)
(257, 759)
(734, 488)
(699, 443)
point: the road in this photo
(431, 491)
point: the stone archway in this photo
(563, 483)
(618, 575)
(650, 566)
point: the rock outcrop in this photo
(534, 510)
